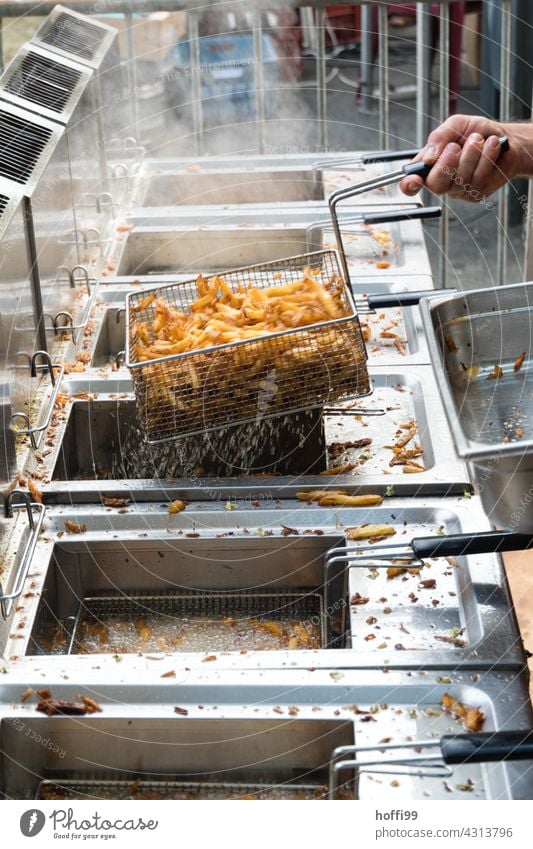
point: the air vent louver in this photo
(3, 204)
(73, 35)
(22, 144)
(42, 81)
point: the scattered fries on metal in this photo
(370, 532)
(338, 498)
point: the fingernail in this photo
(431, 152)
(476, 137)
(493, 142)
(412, 188)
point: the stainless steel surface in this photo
(284, 372)
(110, 343)
(27, 143)
(505, 115)
(444, 110)
(423, 73)
(205, 239)
(383, 69)
(321, 76)
(16, 585)
(198, 186)
(18, 321)
(382, 327)
(75, 36)
(8, 458)
(217, 753)
(117, 451)
(470, 337)
(256, 179)
(161, 744)
(142, 550)
(42, 82)
(39, 364)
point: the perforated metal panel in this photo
(26, 144)
(43, 82)
(75, 36)
(10, 197)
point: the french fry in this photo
(339, 470)
(144, 303)
(338, 500)
(317, 494)
(370, 531)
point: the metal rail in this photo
(317, 26)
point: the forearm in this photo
(521, 137)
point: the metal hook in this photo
(27, 502)
(105, 199)
(85, 274)
(46, 366)
(97, 241)
(120, 172)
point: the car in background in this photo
(227, 77)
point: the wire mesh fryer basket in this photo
(252, 380)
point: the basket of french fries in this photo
(245, 345)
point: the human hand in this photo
(467, 159)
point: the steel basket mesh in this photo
(251, 380)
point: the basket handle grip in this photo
(457, 545)
(487, 747)
(411, 214)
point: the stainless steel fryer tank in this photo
(481, 347)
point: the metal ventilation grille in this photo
(42, 81)
(10, 198)
(21, 145)
(73, 35)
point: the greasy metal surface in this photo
(381, 327)
(230, 180)
(242, 544)
(116, 454)
(274, 717)
(481, 349)
(117, 448)
(17, 321)
(214, 238)
(266, 787)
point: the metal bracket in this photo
(35, 370)
(105, 201)
(120, 172)
(7, 599)
(129, 145)
(79, 273)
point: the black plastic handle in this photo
(485, 747)
(388, 156)
(456, 545)
(420, 169)
(403, 299)
(410, 214)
